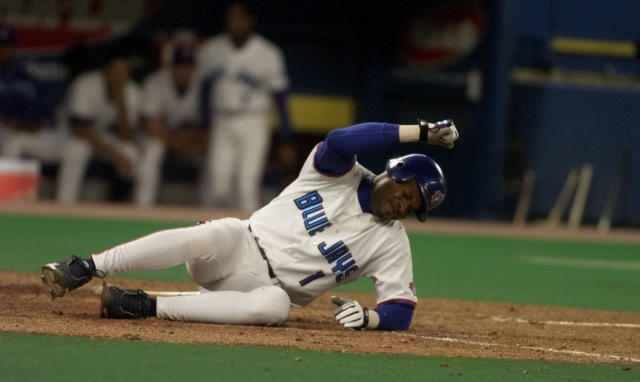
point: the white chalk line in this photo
(519, 320)
(525, 347)
(617, 265)
(568, 323)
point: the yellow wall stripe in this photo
(312, 113)
(588, 47)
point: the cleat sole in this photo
(51, 283)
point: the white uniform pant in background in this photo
(237, 151)
(149, 171)
(222, 257)
(76, 155)
(43, 144)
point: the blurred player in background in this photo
(23, 125)
(243, 73)
(104, 107)
(170, 109)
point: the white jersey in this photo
(316, 236)
(245, 76)
(160, 98)
(91, 104)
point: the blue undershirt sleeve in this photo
(337, 153)
(395, 316)
(204, 105)
(280, 99)
(206, 90)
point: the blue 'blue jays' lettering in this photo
(344, 262)
(311, 278)
(312, 212)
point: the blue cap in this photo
(7, 36)
(183, 54)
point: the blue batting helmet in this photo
(428, 175)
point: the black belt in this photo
(264, 255)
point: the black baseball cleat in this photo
(126, 303)
(68, 274)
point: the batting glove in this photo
(443, 133)
(353, 315)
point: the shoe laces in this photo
(79, 267)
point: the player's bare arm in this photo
(154, 127)
(102, 147)
(117, 75)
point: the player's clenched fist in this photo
(442, 133)
(353, 315)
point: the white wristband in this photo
(408, 133)
(374, 319)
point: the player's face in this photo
(394, 200)
(239, 23)
(182, 74)
(118, 71)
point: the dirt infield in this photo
(440, 327)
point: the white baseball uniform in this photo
(312, 237)
(320, 232)
(161, 99)
(90, 105)
(242, 82)
(322, 238)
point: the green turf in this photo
(584, 274)
(27, 242)
(496, 269)
(25, 357)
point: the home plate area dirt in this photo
(440, 326)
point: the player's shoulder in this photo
(393, 233)
(88, 85)
(265, 44)
(89, 79)
(310, 169)
(363, 171)
(214, 42)
(157, 79)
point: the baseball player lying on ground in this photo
(335, 223)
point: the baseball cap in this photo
(7, 36)
(183, 54)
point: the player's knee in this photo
(153, 150)
(271, 306)
(77, 149)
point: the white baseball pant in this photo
(149, 171)
(222, 257)
(237, 152)
(75, 157)
(43, 144)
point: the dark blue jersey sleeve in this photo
(280, 100)
(337, 153)
(206, 90)
(395, 316)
